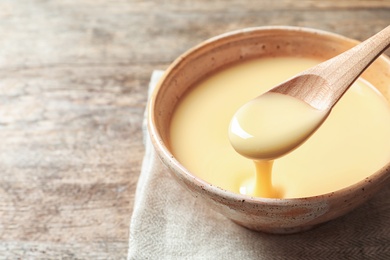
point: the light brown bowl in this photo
(269, 215)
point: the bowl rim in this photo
(172, 163)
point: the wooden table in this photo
(73, 86)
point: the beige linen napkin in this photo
(169, 223)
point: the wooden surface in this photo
(73, 84)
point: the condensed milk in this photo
(272, 125)
(350, 145)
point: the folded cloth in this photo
(169, 223)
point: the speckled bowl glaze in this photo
(280, 216)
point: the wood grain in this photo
(73, 87)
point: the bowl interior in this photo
(222, 51)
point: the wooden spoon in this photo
(277, 122)
(323, 85)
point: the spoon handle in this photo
(323, 85)
(342, 70)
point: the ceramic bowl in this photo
(269, 215)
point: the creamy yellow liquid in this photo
(351, 144)
(269, 127)
(272, 125)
